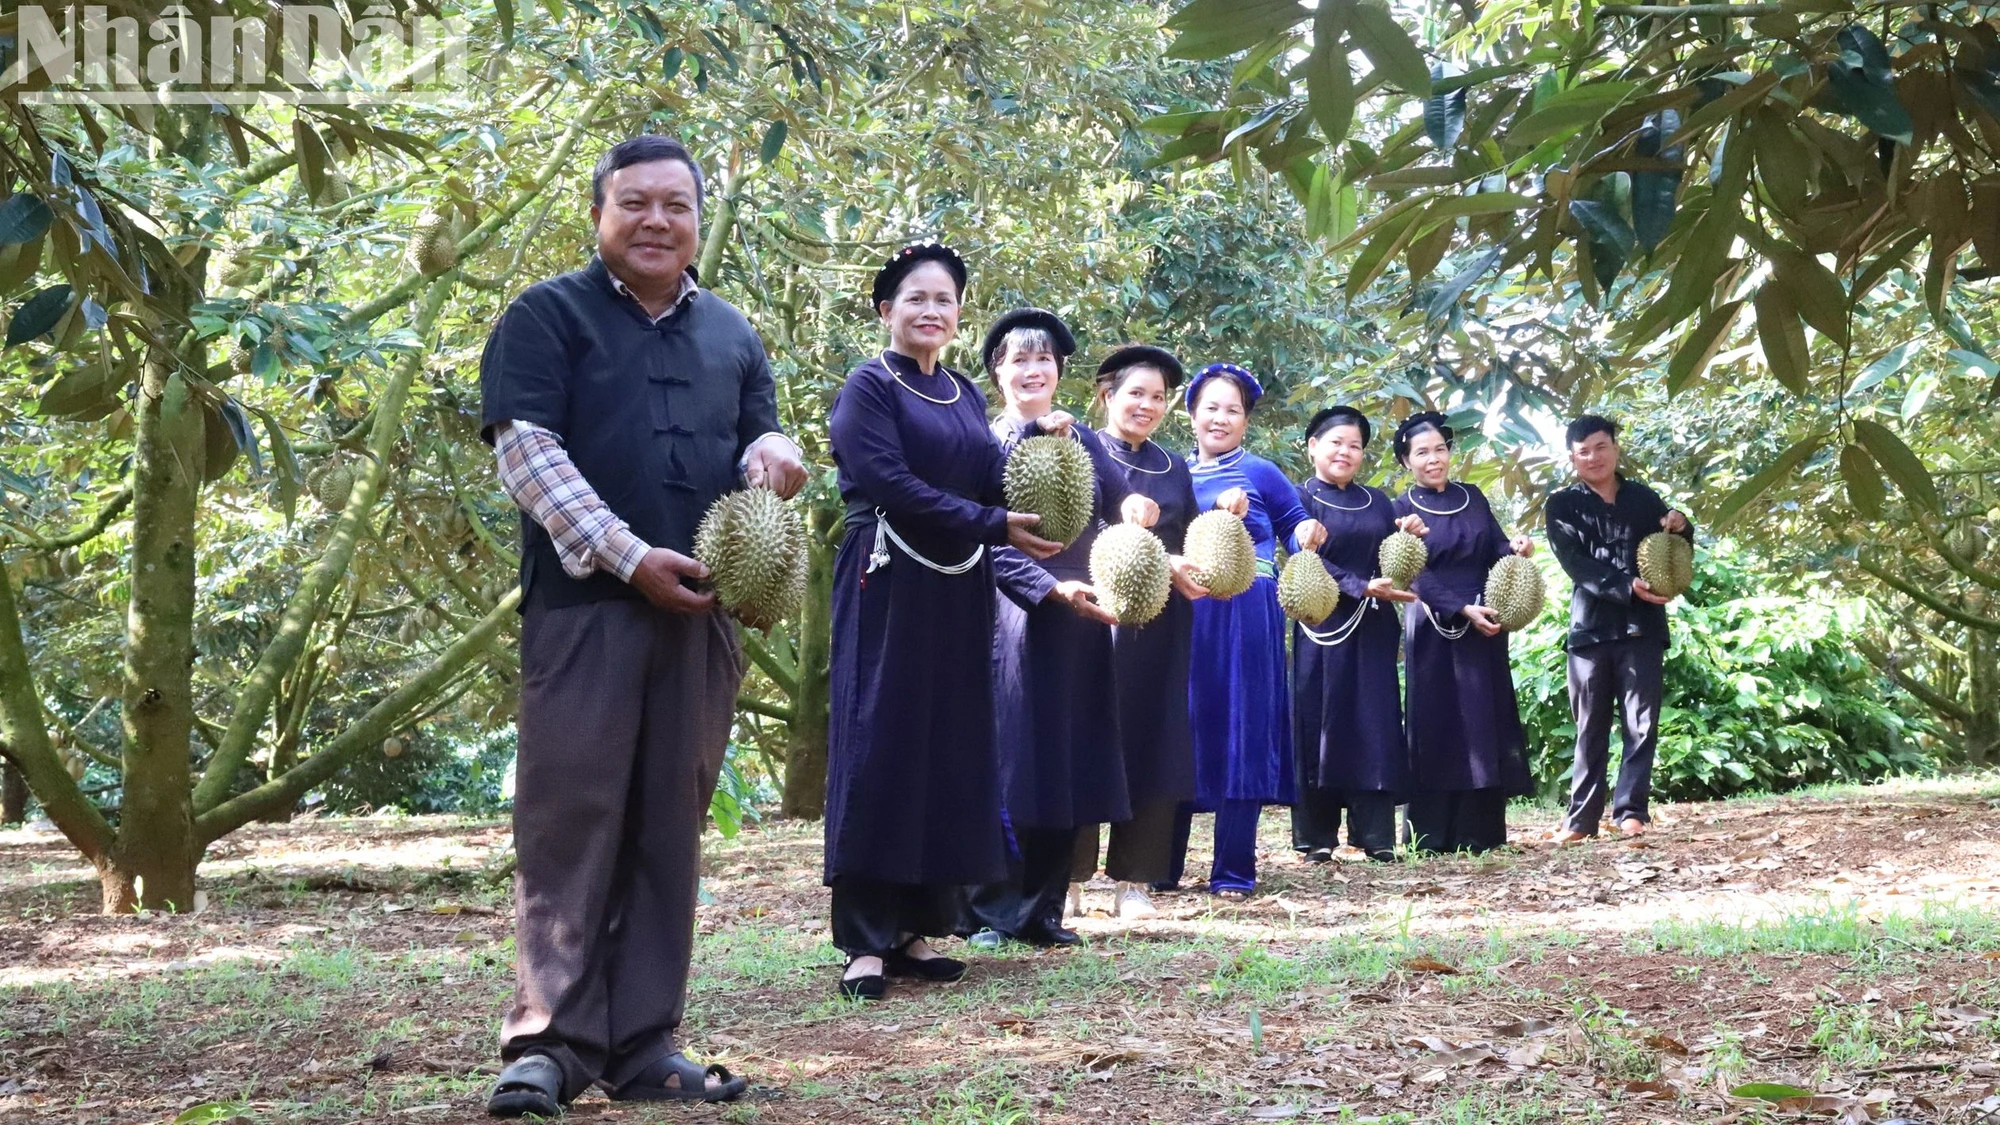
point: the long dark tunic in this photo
(913, 782)
(1238, 705)
(1347, 714)
(1464, 723)
(1151, 660)
(1057, 730)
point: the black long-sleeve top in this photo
(1598, 546)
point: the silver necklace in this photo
(1113, 450)
(1368, 498)
(1220, 463)
(1410, 494)
(955, 389)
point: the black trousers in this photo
(1030, 902)
(1371, 821)
(1621, 678)
(625, 713)
(871, 917)
(1141, 851)
(1474, 820)
(1315, 819)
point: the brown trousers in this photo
(625, 714)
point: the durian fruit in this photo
(1129, 567)
(242, 354)
(1052, 477)
(1306, 592)
(1224, 558)
(1402, 557)
(432, 250)
(754, 545)
(332, 484)
(1666, 563)
(392, 747)
(1514, 591)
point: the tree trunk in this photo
(13, 794)
(1982, 734)
(805, 754)
(152, 863)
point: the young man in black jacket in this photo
(1618, 627)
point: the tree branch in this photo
(754, 648)
(284, 790)
(106, 515)
(24, 730)
(1931, 697)
(1930, 601)
(757, 706)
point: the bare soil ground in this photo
(1845, 943)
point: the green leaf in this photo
(1814, 289)
(670, 63)
(774, 142)
(1604, 224)
(1653, 193)
(1389, 239)
(315, 159)
(1783, 337)
(1212, 29)
(1756, 486)
(1769, 1091)
(284, 464)
(209, 1113)
(36, 315)
(1448, 294)
(23, 218)
(1749, 94)
(1875, 106)
(1444, 113)
(1901, 465)
(1330, 89)
(1890, 364)
(76, 391)
(1389, 47)
(1569, 111)
(1864, 480)
(1346, 212)
(1782, 161)
(1700, 346)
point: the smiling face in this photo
(1595, 459)
(923, 315)
(1430, 459)
(649, 227)
(1027, 371)
(1337, 454)
(1220, 417)
(1136, 406)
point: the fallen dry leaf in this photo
(1427, 964)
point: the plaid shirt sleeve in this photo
(538, 474)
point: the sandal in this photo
(677, 1078)
(867, 987)
(941, 969)
(528, 1086)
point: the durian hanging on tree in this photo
(1515, 592)
(1052, 477)
(754, 545)
(1306, 592)
(1666, 564)
(1132, 574)
(1223, 554)
(433, 248)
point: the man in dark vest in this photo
(1617, 629)
(622, 400)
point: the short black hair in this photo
(1342, 415)
(1588, 424)
(643, 149)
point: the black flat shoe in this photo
(941, 970)
(528, 1086)
(677, 1078)
(1320, 855)
(1052, 935)
(868, 987)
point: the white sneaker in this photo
(1134, 902)
(1073, 906)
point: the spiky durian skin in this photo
(1515, 592)
(1130, 569)
(1306, 592)
(1402, 557)
(1224, 557)
(1666, 563)
(754, 545)
(1052, 477)
(432, 251)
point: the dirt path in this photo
(1847, 944)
